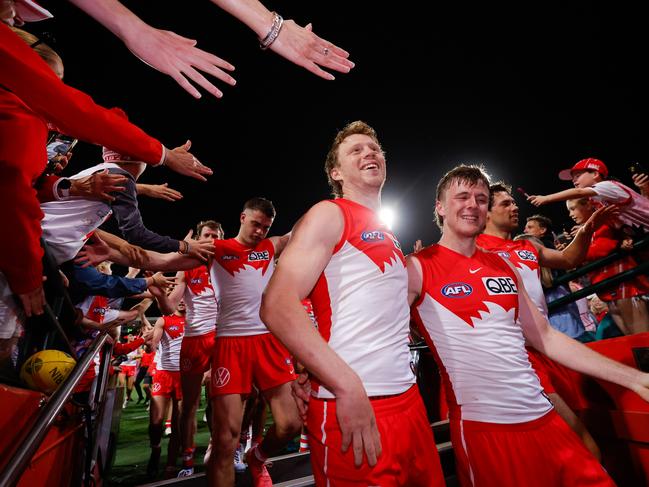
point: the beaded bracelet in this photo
(278, 21)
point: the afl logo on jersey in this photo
(173, 328)
(526, 255)
(255, 256)
(229, 257)
(503, 254)
(372, 236)
(497, 286)
(196, 280)
(457, 290)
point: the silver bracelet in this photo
(278, 21)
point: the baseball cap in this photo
(30, 11)
(585, 164)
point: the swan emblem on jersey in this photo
(499, 290)
(380, 246)
(255, 259)
(175, 330)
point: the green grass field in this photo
(132, 454)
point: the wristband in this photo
(278, 21)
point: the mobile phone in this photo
(562, 238)
(523, 192)
(637, 168)
(60, 144)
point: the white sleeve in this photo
(609, 192)
(110, 314)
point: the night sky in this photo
(525, 89)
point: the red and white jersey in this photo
(468, 312)
(634, 208)
(308, 307)
(96, 308)
(131, 359)
(168, 356)
(240, 275)
(524, 256)
(200, 302)
(361, 304)
(67, 224)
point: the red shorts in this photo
(408, 458)
(128, 370)
(196, 353)
(241, 361)
(534, 454)
(166, 383)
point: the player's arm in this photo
(575, 253)
(96, 251)
(153, 339)
(567, 194)
(305, 257)
(169, 302)
(279, 243)
(573, 354)
(415, 278)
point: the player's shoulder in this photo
(324, 214)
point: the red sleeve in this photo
(603, 243)
(45, 191)
(26, 75)
(124, 348)
(22, 159)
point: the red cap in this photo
(585, 164)
(30, 11)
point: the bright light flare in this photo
(387, 215)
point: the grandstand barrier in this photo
(641, 269)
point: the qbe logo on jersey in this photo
(497, 286)
(256, 256)
(457, 290)
(526, 255)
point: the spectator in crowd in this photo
(589, 177)
(31, 95)
(640, 179)
(540, 226)
(625, 302)
(178, 57)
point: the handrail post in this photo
(30, 443)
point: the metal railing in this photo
(30, 443)
(641, 269)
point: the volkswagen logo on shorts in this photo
(457, 290)
(221, 377)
